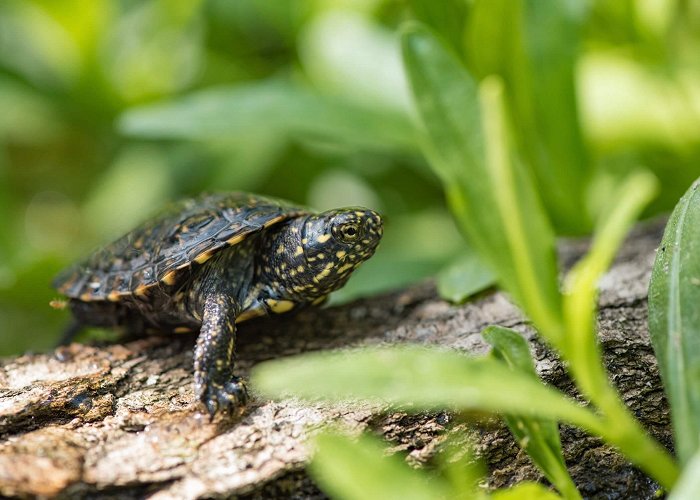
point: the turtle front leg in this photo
(215, 384)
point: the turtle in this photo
(210, 262)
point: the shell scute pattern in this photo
(188, 232)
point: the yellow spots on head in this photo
(267, 269)
(85, 297)
(300, 269)
(298, 251)
(340, 254)
(304, 241)
(140, 290)
(279, 306)
(360, 214)
(294, 229)
(280, 249)
(323, 238)
(320, 256)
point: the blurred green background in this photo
(109, 108)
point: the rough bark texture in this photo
(120, 420)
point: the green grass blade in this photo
(490, 194)
(581, 347)
(421, 378)
(674, 319)
(631, 197)
(361, 470)
(537, 436)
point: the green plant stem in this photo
(620, 428)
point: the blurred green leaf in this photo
(137, 182)
(360, 469)
(537, 66)
(674, 319)
(538, 437)
(688, 484)
(420, 378)
(334, 48)
(36, 46)
(278, 107)
(457, 464)
(490, 194)
(525, 491)
(447, 17)
(155, 48)
(464, 277)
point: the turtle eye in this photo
(349, 232)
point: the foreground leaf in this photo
(525, 491)
(463, 278)
(361, 470)
(688, 484)
(537, 436)
(674, 319)
(420, 378)
(491, 195)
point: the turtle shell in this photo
(158, 251)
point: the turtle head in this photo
(337, 241)
(316, 255)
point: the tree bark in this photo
(121, 420)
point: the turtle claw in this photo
(226, 399)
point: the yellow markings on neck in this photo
(298, 251)
(340, 254)
(326, 271)
(344, 268)
(279, 306)
(319, 300)
(323, 238)
(280, 249)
